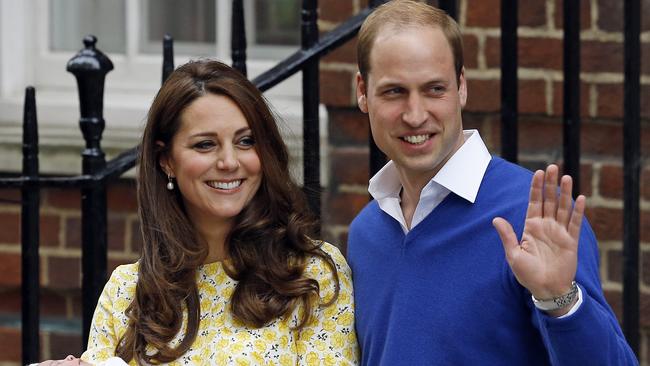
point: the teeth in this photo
(418, 139)
(225, 185)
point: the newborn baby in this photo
(73, 361)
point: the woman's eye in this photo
(204, 145)
(247, 141)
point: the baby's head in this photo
(68, 361)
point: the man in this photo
(432, 282)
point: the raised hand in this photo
(546, 259)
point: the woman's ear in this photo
(163, 159)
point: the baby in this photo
(74, 361)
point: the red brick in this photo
(50, 226)
(645, 267)
(645, 55)
(335, 10)
(532, 96)
(348, 126)
(645, 95)
(492, 52)
(483, 95)
(610, 100)
(536, 52)
(611, 181)
(606, 222)
(336, 87)
(121, 197)
(585, 14)
(558, 99)
(607, 139)
(610, 15)
(11, 344)
(486, 13)
(644, 225)
(9, 227)
(343, 207)
(615, 266)
(540, 134)
(596, 56)
(10, 196)
(53, 303)
(349, 166)
(645, 183)
(136, 237)
(63, 198)
(64, 272)
(644, 310)
(346, 53)
(64, 344)
(11, 299)
(532, 13)
(586, 176)
(470, 51)
(72, 232)
(116, 233)
(615, 300)
(10, 267)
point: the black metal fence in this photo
(90, 67)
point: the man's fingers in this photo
(565, 207)
(576, 217)
(550, 191)
(508, 237)
(536, 195)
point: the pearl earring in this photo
(170, 184)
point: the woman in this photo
(229, 273)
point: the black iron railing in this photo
(90, 66)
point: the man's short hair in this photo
(402, 14)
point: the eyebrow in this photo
(213, 134)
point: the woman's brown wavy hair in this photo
(267, 247)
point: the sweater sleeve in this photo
(109, 321)
(328, 338)
(591, 335)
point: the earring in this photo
(170, 184)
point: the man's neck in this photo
(410, 193)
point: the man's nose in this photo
(415, 113)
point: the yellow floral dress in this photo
(328, 339)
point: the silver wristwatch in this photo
(557, 302)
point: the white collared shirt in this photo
(461, 174)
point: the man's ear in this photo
(163, 159)
(362, 99)
(462, 88)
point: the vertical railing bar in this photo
(571, 114)
(168, 56)
(89, 67)
(631, 168)
(450, 7)
(238, 37)
(310, 100)
(30, 233)
(509, 106)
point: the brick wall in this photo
(540, 121)
(540, 142)
(60, 264)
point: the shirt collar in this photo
(461, 174)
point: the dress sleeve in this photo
(329, 338)
(109, 321)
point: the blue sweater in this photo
(443, 294)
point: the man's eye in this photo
(438, 89)
(393, 91)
